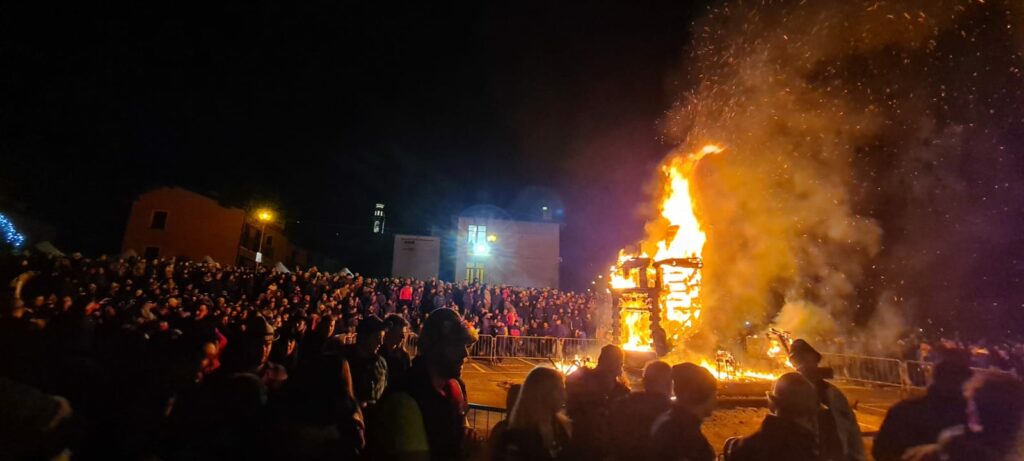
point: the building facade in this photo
(507, 252)
(176, 222)
(416, 256)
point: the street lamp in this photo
(264, 216)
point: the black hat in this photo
(800, 346)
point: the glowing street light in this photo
(264, 216)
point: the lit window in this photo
(475, 234)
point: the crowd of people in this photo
(179, 360)
(158, 351)
(592, 415)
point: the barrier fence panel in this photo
(482, 418)
(527, 347)
(573, 348)
(482, 348)
(873, 370)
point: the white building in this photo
(507, 252)
(416, 256)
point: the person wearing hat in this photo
(789, 432)
(369, 368)
(424, 415)
(838, 431)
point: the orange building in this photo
(172, 221)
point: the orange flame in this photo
(737, 374)
(680, 297)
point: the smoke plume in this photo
(853, 132)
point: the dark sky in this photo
(323, 108)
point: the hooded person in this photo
(424, 415)
(838, 431)
(789, 433)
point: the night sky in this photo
(323, 108)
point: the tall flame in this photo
(680, 295)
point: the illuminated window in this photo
(476, 234)
(477, 238)
(474, 272)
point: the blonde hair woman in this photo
(537, 427)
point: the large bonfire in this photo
(673, 273)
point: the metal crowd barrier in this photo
(539, 347)
(871, 370)
(877, 370)
(918, 374)
(526, 347)
(482, 418)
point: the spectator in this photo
(318, 415)
(425, 414)
(560, 330)
(837, 425)
(790, 432)
(393, 350)
(368, 366)
(995, 417)
(499, 428)
(919, 421)
(676, 435)
(635, 413)
(591, 393)
(537, 428)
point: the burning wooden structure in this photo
(656, 304)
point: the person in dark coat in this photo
(996, 413)
(635, 413)
(676, 435)
(838, 430)
(393, 349)
(790, 432)
(368, 367)
(424, 416)
(919, 421)
(591, 393)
